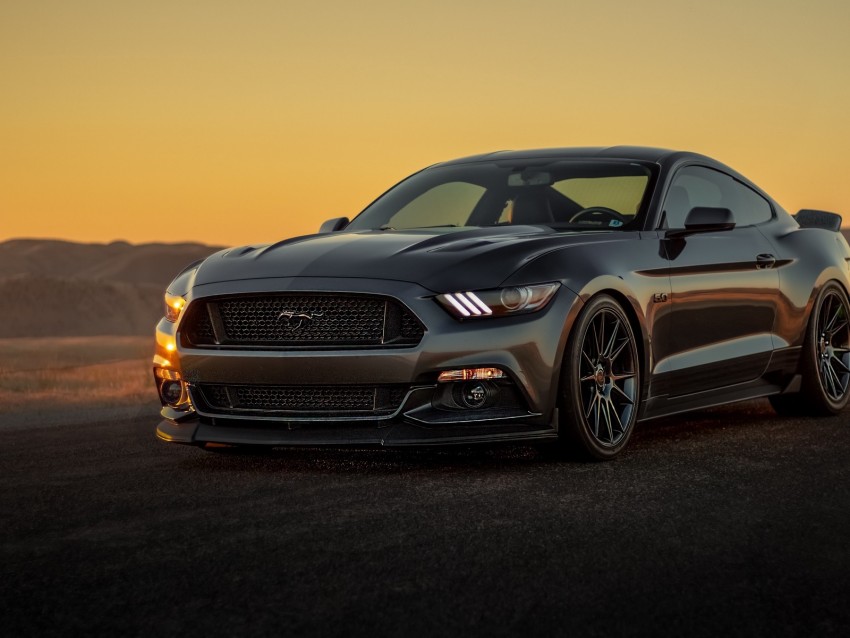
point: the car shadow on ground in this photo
(368, 460)
(709, 422)
(651, 437)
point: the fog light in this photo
(171, 391)
(476, 395)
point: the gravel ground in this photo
(728, 522)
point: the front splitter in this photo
(393, 435)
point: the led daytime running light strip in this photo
(468, 304)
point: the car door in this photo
(724, 289)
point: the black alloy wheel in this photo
(833, 346)
(826, 367)
(825, 359)
(601, 388)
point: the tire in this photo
(600, 382)
(824, 360)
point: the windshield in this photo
(562, 194)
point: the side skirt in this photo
(779, 377)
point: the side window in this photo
(749, 207)
(697, 186)
(444, 205)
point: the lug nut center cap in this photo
(600, 377)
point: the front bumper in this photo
(528, 348)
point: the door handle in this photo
(765, 260)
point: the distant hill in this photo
(51, 288)
(36, 306)
(61, 288)
(119, 261)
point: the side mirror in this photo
(333, 225)
(703, 219)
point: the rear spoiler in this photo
(818, 219)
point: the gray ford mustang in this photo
(515, 296)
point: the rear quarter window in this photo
(699, 186)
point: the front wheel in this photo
(600, 390)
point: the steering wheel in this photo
(598, 214)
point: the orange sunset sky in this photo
(236, 122)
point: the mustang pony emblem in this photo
(297, 320)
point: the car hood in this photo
(441, 260)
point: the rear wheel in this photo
(825, 359)
(601, 381)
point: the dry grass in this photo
(46, 374)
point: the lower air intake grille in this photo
(312, 400)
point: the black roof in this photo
(668, 159)
(634, 153)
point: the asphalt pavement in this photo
(728, 522)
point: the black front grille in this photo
(197, 325)
(299, 319)
(310, 400)
(303, 318)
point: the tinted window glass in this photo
(569, 194)
(622, 193)
(750, 207)
(697, 186)
(448, 204)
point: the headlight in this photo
(498, 302)
(174, 305)
(182, 283)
